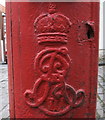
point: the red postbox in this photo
(53, 59)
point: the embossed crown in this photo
(52, 27)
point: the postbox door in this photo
(52, 59)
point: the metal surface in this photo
(53, 59)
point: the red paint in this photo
(56, 52)
(52, 65)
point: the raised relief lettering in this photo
(50, 93)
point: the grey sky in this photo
(2, 2)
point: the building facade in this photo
(2, 34)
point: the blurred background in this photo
(4, 102)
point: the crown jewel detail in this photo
(52, 26)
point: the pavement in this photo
(101, 93)
(4, 102)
